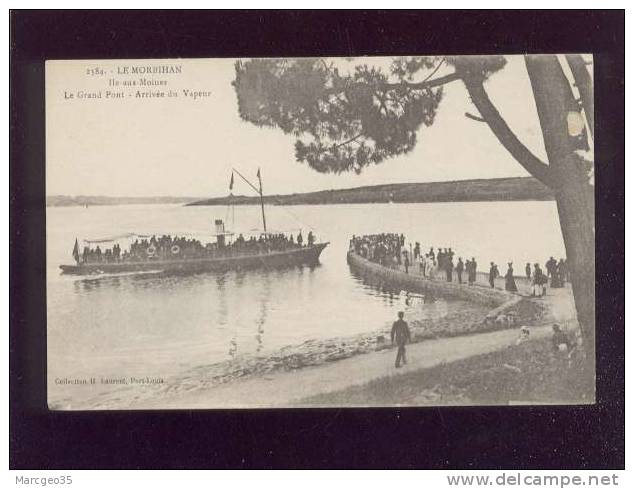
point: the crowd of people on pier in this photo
(389, 249)
(167, 247)
(384, 248)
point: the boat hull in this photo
(308, 255)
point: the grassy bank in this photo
(530, 373)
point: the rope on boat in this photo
(110, 239)
(284, 207)
(115, 238)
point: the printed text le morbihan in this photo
(149, 70)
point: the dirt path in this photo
(286, 389)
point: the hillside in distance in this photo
(83, 200)
(484, 190)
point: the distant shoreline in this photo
(102, 200)
(479, 190)
(484, 190)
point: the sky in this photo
(185, 147)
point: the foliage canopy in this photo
(346, 119)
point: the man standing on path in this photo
(400, 333)
(472, 271)
(551, 264)
(449, 268)
(459, 269)
(539, 282)
(493, 274)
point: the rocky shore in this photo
(469, 320)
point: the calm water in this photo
(156, 325)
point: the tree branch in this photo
(435, 70)
(490, 115)
(474, 117)
(382, 102)
(505, 135)
(348, 141)
(436, 82)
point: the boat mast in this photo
(259, 191)
(262, 201)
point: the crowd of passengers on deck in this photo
(167, 247)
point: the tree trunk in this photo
(577, 226)
(570, 181)
(583, 80)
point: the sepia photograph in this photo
(317, 240)
(320, 232)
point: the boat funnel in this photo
(220, 233)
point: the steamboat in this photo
(224, 251)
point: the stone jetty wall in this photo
(497, 300)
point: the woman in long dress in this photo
(433, 268)
(510, 280)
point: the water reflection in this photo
(159, 279)
(390, 293)
(139, 280)
(229, 297)
(264, 305)
(375, 284)
(223, 308)
(89, 284)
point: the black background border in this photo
(424, 438)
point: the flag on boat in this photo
(231, 182)
(258, 173)
(76, 251)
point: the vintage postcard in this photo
(320, 232)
